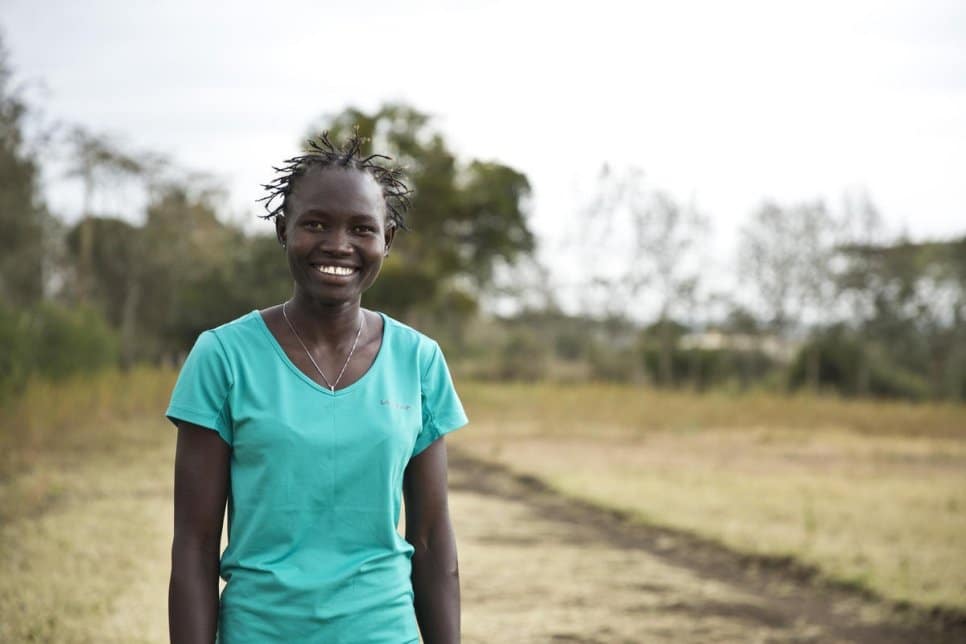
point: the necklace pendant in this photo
(332, 388)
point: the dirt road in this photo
(540, 568)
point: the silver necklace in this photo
(333, 385)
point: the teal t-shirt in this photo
(313, 552)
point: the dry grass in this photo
(85, 516)
(84, 545)
(873, 494)
(605, 411)
(87, 413)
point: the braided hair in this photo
(322, 153)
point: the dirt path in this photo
(537, 567)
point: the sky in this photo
(722, 104)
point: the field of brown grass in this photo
(870, 494)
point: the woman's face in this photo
(335, 233)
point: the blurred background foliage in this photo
(826, 301)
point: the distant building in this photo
(776, 348)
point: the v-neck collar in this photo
(301, 374)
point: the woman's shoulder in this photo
(404, 336)
(238, 332)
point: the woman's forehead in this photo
(336, 189)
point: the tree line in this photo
(119, 288)
(823, 300)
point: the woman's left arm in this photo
(435, 573)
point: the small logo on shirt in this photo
(394, 404)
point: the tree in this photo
(669, 237)
(862, 227)
(186, 258)
(98, 161)
(918, 295)
(24, 219)
(638, 241)
(611, 277)
(467, 217)
(786, 253)
(114, 265)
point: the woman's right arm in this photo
(200, 491)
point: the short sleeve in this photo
(442, 409)
(200, 394)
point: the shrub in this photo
(71, 340)
(53, 342)
(523, 357)
(707, 368)
(16, 355)
(853, 367)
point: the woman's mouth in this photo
(327, 269)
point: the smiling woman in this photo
(310, 420)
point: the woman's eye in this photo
(365, 229)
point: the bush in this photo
(53, 342)
(852, 367)
(71, 340)
(707, 368)
(523, 357)
(16, 358)
(613, 365)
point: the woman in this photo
(307, 419)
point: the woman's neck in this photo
(323, 322)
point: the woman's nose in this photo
(337, 241)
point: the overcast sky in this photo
(722, 103)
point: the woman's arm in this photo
(200, 490)
(435, 573)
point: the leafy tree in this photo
(467, 217)
(862, 227)
(24, 220)
(186, 256)
(115, 258)
(114, 265)
(918, 296)
(97, 162)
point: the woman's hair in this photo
(322, 153)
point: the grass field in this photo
(872, 494)
(85, 490)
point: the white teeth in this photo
(336, 270)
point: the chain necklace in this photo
(333, 385)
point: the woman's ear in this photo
(390, 235)
(280, 230)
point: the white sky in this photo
(722, 103)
